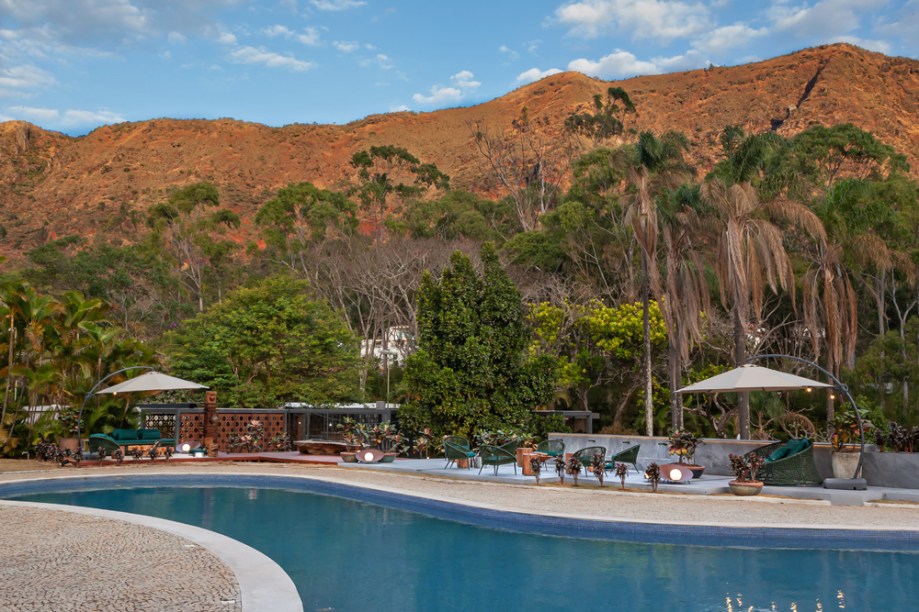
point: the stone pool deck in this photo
(30, 579)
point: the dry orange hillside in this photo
(53, 185)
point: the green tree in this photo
(268, 344)
(387, 171)
(471, 372)
(605, 121)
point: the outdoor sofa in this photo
(124, 438)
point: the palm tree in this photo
(658, 168)
(751, 256)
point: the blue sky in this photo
(73, 65)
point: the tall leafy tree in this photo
(471, 372)
(750, 257)
(267, 344)
(659, 168)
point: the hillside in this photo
(52, 185)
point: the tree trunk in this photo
(740, 357)
(676, 400)
(646, 329)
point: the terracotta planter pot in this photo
(745, 488)
(71, 444)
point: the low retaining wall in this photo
(898, 470)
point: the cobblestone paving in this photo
(61, 561)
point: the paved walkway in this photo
(62, 561)
(138, 581)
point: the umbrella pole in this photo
(92, 392)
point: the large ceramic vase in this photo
(844, 463)
(745, 487)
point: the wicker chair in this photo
(792, 467)
(586, 455)
(629, 456)
(553, 448)
(496, 456)
(457, 447)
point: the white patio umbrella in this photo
(751, 377)
(152, 381)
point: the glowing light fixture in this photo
(186, 447)
(369, 457)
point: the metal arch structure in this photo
(92, 393)
(838, 385)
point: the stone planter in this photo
(696, 470)
(388, 457)
(348, 457)
(844, 463)
(745, 488)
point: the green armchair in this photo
(496, 456)
(553, 448)
(788, 463)
(457, 447)
(629, 456)
(586, 455)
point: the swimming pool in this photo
(345, 554)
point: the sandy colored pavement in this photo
(608, 503)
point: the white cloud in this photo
(336, 5)
(439, 95)
(823, 20)
(269, 59)
(614, 66)
(663, 20)
(464, 80)
(226, 38)
(534, 74)
(73, 118)
(310, 35)
(726, 38)
(17, 79)
(881, 46)
(176, 38)
(34, 114)
(381, 60)
(69, 118)
(508, 52)
(346, 46)
(401, 108)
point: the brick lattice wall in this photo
(228, 424)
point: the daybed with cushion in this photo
(788, 463)
(124, 438)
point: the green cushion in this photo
(779, 453)
(796, 446)
(124, 434)
(149, 434)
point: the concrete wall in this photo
(899, 470)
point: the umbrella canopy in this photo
(751, 377)
(152, 381)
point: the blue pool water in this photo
(346, 555)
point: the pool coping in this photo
(263, 584)
(490, 516)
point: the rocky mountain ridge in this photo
(53, 185)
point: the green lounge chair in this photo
(457, 447)
(788, 463)
(586, 455)
(496, 456)
(629, 456)
(553, 448)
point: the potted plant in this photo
(846, 441)
(598, 467)
(653, 475)
(745, 468)
(683, 444)
(68, 418)
(349, 433)
(622, 470)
